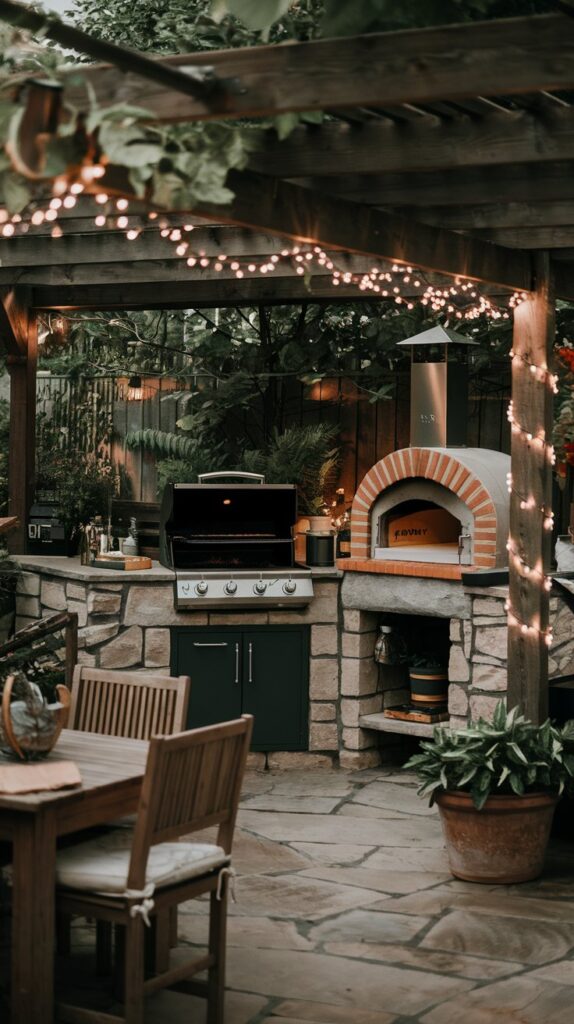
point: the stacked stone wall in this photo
(128, 625)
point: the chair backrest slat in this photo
(192, 781)
(130, 704)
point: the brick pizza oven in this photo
(436, 503)
(468, 484)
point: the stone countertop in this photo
(70, 568)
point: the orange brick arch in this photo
(443, 467)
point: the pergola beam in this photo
(303, 215)
(192, 294)
(503, 57)
(508, 215)
(379, 148)
(512, 183)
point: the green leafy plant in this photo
(509, 755)
(305, 456)
(427, 660)
(83, 484)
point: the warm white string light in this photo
(460, 300)
(541, 373)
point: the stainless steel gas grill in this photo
(231, 544)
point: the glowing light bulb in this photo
(122, 204)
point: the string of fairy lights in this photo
(527, 502)
(401, 284)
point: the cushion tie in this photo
(147, 903)
(231, 874)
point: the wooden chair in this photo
(137, 706)
(192, 781)
(130, 704)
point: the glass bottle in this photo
(344, 536)
(385, 650)
(85, 553)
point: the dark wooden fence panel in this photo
(367, 431)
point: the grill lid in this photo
(211, 525)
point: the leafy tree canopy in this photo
(170, 26)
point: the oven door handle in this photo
(222, 474)
(196, 644)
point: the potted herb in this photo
(428, 678)
(496, 786)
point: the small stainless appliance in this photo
(46, 534)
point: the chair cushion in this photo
(101, 865)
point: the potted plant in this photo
(428, 678)
(496, 786)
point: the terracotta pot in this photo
(428, 686)
(503, 843)
(320, 524)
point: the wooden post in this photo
(531, 498)
(18, 328)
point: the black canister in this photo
(320, 549)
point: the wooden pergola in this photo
(451, 149)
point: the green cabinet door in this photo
(276, 686)
(212, 659)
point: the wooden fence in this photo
(367, 430)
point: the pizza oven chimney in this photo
(439, 388)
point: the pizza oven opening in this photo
(418, 520)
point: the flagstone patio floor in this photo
(346, 914)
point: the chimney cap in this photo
(438, 336)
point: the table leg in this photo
(34, 861)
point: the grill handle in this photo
(222, 474)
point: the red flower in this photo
(566, 355)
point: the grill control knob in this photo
(260, 587)
(289, 587)
(201, 588)
(230, 587)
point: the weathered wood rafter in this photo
(511, 215)
(335, 149)
(517, 55)
(301, 214)
(409, 191)
(197, 293)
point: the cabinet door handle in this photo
(250, 649)
(237, 664)
(195, 644)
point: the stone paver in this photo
(515, 1001)
(326, 853)
(393, 797)
(532, 942)
(347, 914)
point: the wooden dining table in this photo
(112, 771)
